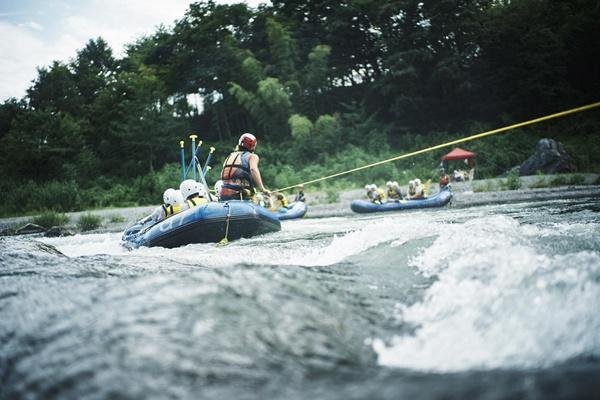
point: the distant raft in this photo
(208, 223)
(295, 210)
(439, 199)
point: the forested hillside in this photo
(325, 85)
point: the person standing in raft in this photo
(193, 192)
(240, 173)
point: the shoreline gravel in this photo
(464, 196)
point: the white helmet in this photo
(367, 187)
(389, 184)
(178, 198)
(417, 182)
(411, 183)
(169, 196)
(395, 184)
(190, 187)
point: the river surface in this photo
(487, 302)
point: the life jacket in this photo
(394, 194)
(377, 196)
(170, 210)
(195, 200)
(419, 192)
(444, 180)
(279, 203)
(236, 170)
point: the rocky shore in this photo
(466, 194)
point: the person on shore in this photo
(393, 191)
(193, 192)
(172, 204)
(444, 179)
(300, 196)
(240, 174)
(375, 194)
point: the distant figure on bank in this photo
(444, 178)
(375, 194)
(240, 173)
(193, 192)
(393, 191)
(300, 196)
(458, 175)
(172, 204)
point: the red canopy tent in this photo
(458, 154)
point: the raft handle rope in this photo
(451, 143)
(225, 241)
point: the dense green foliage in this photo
(325, 85)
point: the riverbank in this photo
(466, 194)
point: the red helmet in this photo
(248, 141)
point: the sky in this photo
(33, 33)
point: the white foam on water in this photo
(498, 302)
(88, 244)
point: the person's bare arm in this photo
(254, 171)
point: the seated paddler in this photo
(375, 194)
(416, 189)
(240, 174)
(172, 204)
(393, 191)
(279, 203)
(193, 192)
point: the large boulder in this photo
(550, 158)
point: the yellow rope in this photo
(453, 142)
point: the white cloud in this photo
(32, 25)
(22, 52)
(118, 22)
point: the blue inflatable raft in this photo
(437, 200)
(207, 223)
(294, 210)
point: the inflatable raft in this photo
(294, 210)
(437, 200)
(207, 223)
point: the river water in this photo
(485, 302)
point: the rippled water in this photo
(486, 302)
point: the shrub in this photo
(114, 218)
(512, 181)
(577, 179)
(559, 180)
(49, 219)
(540, 182)
(88, 221)
(486, 186)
